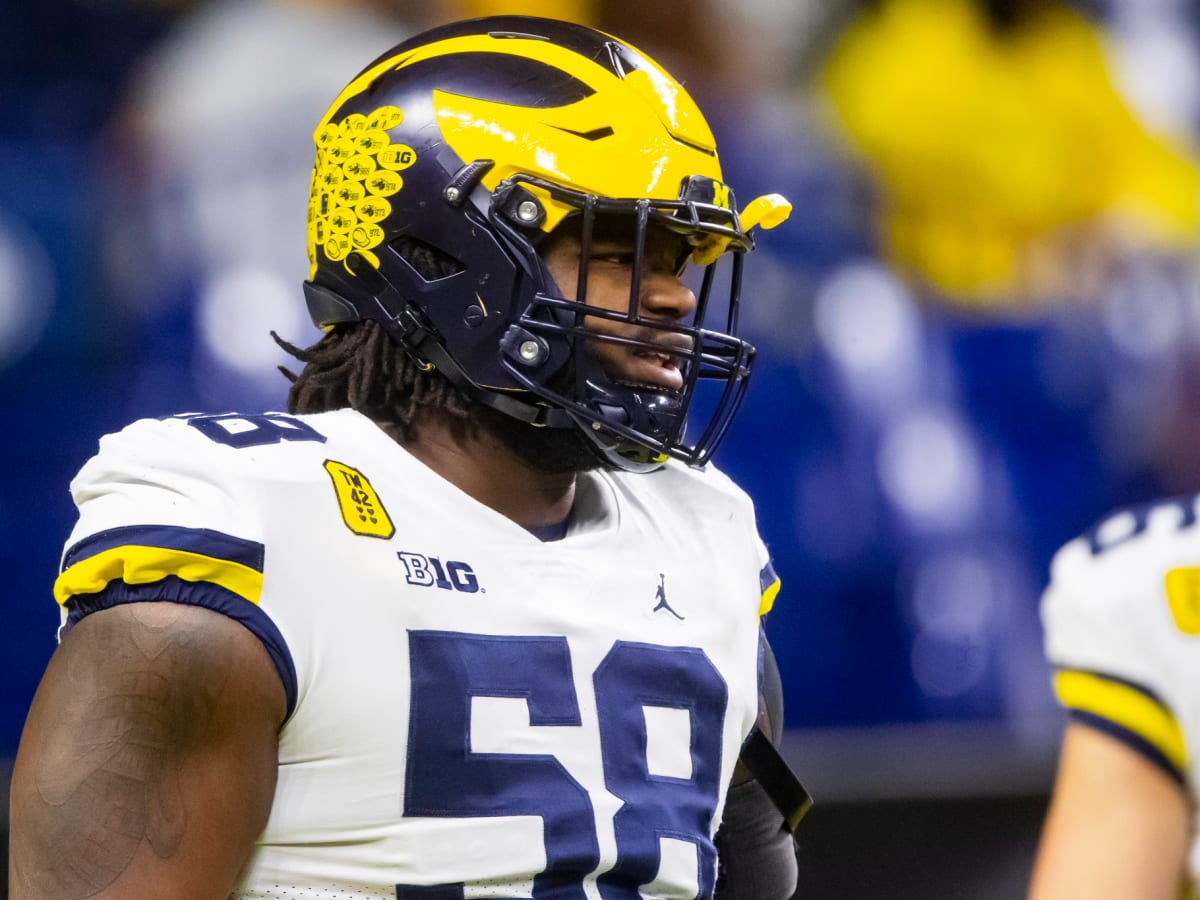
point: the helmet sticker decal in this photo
(357, 168)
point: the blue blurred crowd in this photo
(978, 332)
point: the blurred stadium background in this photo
(979, 331)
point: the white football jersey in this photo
(1122, 627)
(473, 712)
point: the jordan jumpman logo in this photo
(661, 595)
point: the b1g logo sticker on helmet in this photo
(397, 157)
(357, 166)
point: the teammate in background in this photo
(1122, 629)
(406, 640)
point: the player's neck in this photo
(480, 464)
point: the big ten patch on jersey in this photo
(429, 571)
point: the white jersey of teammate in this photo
(1122, 626)
(472, 712)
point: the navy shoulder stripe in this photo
(192, 540)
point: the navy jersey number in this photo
(237, 430)
(1099, 543)
(445, 778)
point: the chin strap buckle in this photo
(409, 329)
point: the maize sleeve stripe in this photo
(211, 596)
(768, 584)
(140, 555)
(146, 565)
(1127, 711)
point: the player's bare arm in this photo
(148, 761)
(1117, 826)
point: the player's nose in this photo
(664, 295)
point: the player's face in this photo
(662, 296)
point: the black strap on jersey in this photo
(776, 777)
(759, 753)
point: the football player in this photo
(1122, 624)
(475, 617)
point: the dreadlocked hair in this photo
(359, 366)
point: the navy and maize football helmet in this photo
(475, 141)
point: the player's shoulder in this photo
(227, 442)
(1138, 568)
(1132, 544)
(689, 496)
(703, 485)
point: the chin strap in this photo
(772, 772)
(536, 414)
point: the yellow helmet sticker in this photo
(356, 167)
(359, 166)
(361, 510)
(396, 157)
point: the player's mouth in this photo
(658, 367)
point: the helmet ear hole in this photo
(430, 263)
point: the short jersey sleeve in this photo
(164, 516)
(725, 499)
(768, 581)
(1122, 625)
